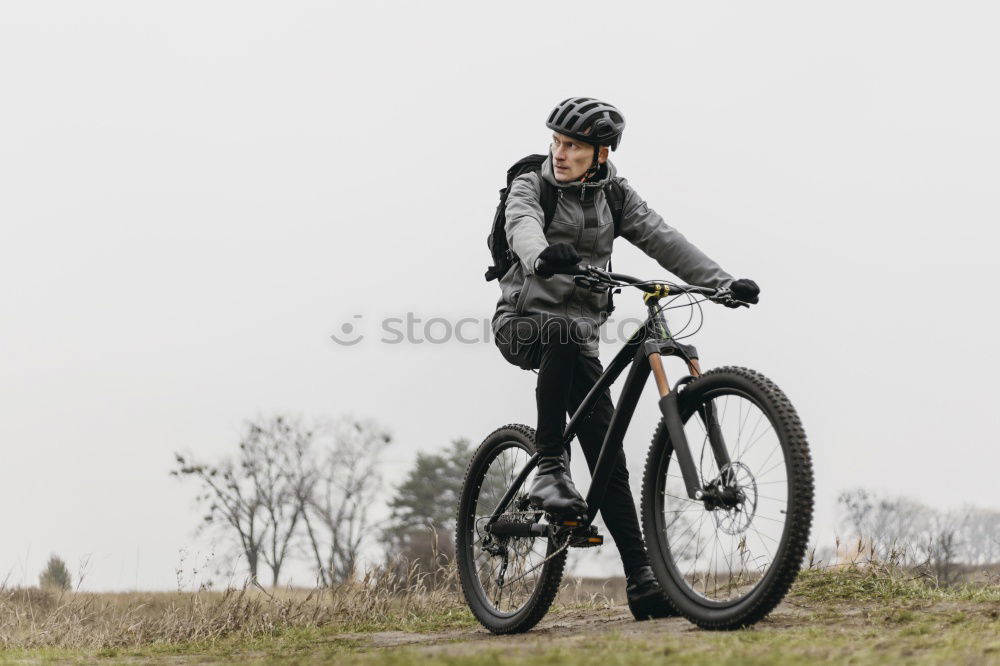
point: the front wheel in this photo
(727, 559)
(508, 581)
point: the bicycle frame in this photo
(644, 350)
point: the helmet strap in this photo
(595, 166)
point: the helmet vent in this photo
(562, 117)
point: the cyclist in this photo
(546, 322)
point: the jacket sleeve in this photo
(646, 229)
(525, 220)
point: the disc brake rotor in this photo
(742, 486)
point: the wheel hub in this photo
(732, 497)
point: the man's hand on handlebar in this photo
(555, 258)
(745, 290)
(739, 294)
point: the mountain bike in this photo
(727, 491)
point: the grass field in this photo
(851, 616)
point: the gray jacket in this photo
(583, 219)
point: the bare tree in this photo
(348, 480)
(980, 542)
(936, 546)
(946, 541)
(856, 508)
(895, 526)
(231, 503)
(255, 496)
(272, 455)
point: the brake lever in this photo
(725, 297)
(594, 285)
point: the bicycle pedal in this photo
(586, 537)
(567, 522)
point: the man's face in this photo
(571, 157)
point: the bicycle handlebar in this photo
(598, 277)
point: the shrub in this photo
(56, 575)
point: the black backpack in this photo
(504, 257)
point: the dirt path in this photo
(560, 626)
(846, 626)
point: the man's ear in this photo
(602, 155)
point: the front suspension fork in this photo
(672, 417)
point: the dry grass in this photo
(395, 599)
(861, 573)
(34, 618)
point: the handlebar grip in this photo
(576, 269)
(545, 270)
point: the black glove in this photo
(556, 256)
(745, 290)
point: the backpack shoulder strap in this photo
(615, 195)
(549, 199)
(548, 196)
(616, 202)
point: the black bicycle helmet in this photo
(588, 120)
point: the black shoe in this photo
(645, 596)
(553, 490)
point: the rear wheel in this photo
(509, 582)
(726, 560)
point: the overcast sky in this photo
(195, 195)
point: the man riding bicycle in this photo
(545, 321)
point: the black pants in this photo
(552, 346)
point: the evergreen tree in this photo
(56, 575)
(422, 520)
